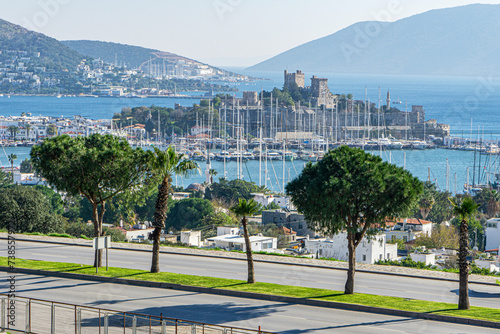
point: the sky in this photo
(218, 32)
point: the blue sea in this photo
(471, 105)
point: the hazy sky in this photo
(220, 32)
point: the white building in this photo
(492, 233)
(427, 258)
(137, 235)
(191, 238)
(236, 242)
(491, 265)
(231, 230)
(265, 200)
(408, 229)
(368, 251)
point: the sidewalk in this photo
(369, 268)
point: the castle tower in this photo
(297, 78)
(388, 100)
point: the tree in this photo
(212, 172)
(28, 128)
(26, 166)
(464, 210)
(476, 232)
(425, 204)
(231, 191)
(13, 131)
(352, 190)
(441, 210)
(5, 179)
(441, 236)
(493, 203)
(188, 213)
(25, 209)
(51, 130)
(53, 198)
(12, 157)
(244, 209)
(164, 165)
(97, 167)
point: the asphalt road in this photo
(388, 285)
(230, 311)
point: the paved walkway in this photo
(271, 258)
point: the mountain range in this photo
(453, 41)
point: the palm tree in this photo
(13, 131)
(464, 211)
(28, 128)
(212, 172)
(164, 165)
(493, 203)
(12, 157)
(425, 205)
(244, 209)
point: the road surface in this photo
(222, 310)
(386, 285)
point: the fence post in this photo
(106, 323)
(79, 321)
(134, 325)
(53, 319)
(3, 313)
(163, 327)
(27, 324)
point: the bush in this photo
(87, 230)
(407, 262)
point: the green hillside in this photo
(128, 55)
(53, 54)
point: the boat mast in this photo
(284, 144)
(225, 136)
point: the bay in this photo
(453, 100)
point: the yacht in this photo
(274, 156)
(223, 155)
(248, 155)
(290, 156)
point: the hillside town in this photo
(23, 72)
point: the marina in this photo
(442, 97)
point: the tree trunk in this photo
(251, 273)
(159, 220)
(349, 285)
(463, 291)
(97, 233)
(155, 262)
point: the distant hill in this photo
(129, 55)
(453, 41)
(53, 54)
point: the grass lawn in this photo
(397, 303)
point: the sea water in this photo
(458, 101)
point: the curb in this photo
(260, 296)
(265, 261)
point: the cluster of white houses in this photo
(371, 249)
(33, 128)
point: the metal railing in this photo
(43, 316)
